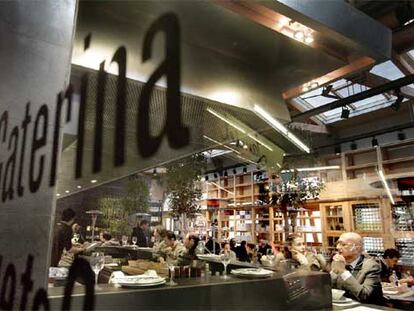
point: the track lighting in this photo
(215, 175)
(401, 136)
(374, 142)
(337, 149)
(354, 146)
(206, 178)
(244, 169)
(234, 171)
(397, 104)
(226, 174)
(345, 113)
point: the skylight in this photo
(344, 88)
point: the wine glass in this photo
(171, 266)
(97, 262)
(75, 238)
(225, 259)
(124, 240)
(270, 256)
(134, 240)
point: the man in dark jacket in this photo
(140, 233)
(62, 237)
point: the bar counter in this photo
(299, 290)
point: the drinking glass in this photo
(134, 240)
(124, 240)
(171, 266)
(225, 259)
(97, 262)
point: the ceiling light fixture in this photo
(311, 169)
(401, 136)
(226, 120)
(280, 128)
(374, 142)
(226, 174)
(58, 194)
(354, 146)
(337, 150)
(215, 175)
(67, 191)
(206, 178)
(93, 181)
(387, 188)
(244, 169)
(221, 144)
(234, 171)
(397, 103)
(345, 113)
(79, 187)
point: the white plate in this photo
(343, 300)
(135, 285)
(252, 273)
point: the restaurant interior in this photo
(290, 157)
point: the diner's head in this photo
(391, 257)
(226, 246)
(232, 243)
(76, 228)
(349, 245)
(170, 239)
(68, 216)
(159, 233)
(295, 243)
(144, 224)
(243, 243)
(105, 236)
(191, 241)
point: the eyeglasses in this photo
(344, 245)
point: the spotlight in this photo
(396, 105)
(154, 172)
(354, 146)
(401, 136)
(215, 175)
(374, 142)
(244, 169)
(226, 174)
(206, 178)
(345, 113)
(234, 171)
(337, 149)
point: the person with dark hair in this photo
(140, 233)
(173, 248)
(190, 244)
(209, 246)
(241, 252)
(107, 240)
(233, 245)
(388, 262)
(62, 239)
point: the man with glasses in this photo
(354, 272)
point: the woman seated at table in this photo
(227, 249)
(173, 248)
(159, 244)
(295, 251)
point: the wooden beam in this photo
(403, 62)
(402, 40)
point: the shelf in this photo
(398, 160)
(359, 166)
(243, 185)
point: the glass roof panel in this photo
(387, 70)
